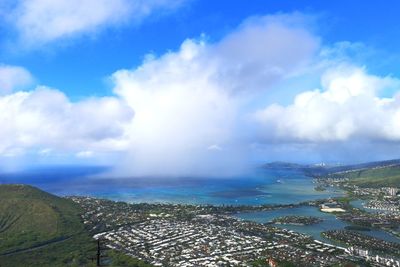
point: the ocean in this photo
(263, 186)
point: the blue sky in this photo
(79, 67)
(207, 84)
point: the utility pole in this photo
(98, 253)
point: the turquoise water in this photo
(264, 187)
(260, 187)
(330, 222)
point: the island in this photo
(297, 220)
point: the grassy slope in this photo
(387, 176)
(30, 217)
(76, 251)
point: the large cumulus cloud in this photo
(176, 114)
(347, 107)
(189, 102)
(46, 120)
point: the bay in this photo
(329, 222)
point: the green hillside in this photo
(43, 230)
(30, 217)
(378, 177)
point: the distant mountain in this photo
(374, 174)
(282, 165)
(311, 170)
(365, 166)
(383, 177)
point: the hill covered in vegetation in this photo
(370, 174)
(376, 177)
(40, 229)
(30, 217)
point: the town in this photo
(196, 235)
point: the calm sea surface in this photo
(260, 187)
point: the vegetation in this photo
(357, 228)
(319, 188)
(378, 177)
(77, 251)
(40, 229)
(30, 217)
(119, 259)
(297, 220)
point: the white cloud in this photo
(214, 147)
(45, 152)
(348, 107)
(85, 154)
(13, 78)
(188, 100)
(43, 21)
(168, 114)
(179, 112)
(264, 50)
(44, 119)
(173, 114)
